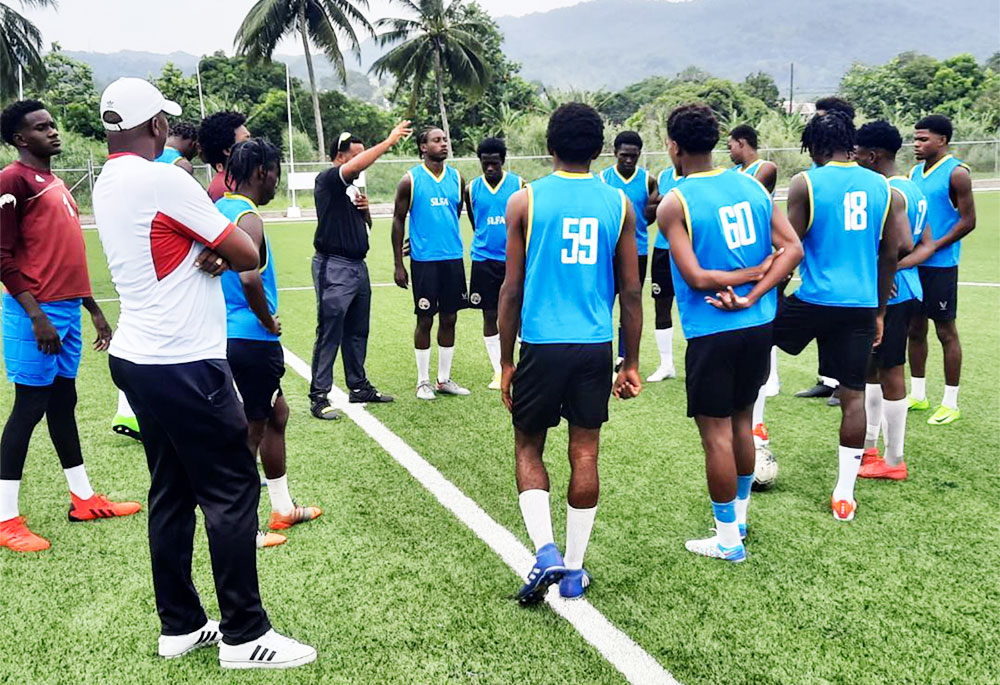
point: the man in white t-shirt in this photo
(165, 242)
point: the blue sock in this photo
(725, 523)
(743, 484)
(725, 512)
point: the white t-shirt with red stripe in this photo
(154, 220)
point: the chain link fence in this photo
(982, 156)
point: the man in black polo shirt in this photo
(343, 291)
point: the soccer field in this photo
(390, 587)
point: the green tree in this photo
(268, 21)
(761, 85)
(438, 40)
(69, 94)
(20, 45)
(993, 62)
(181, 89)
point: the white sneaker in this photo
(710, 547)
(450, 387)
(662, 373)
(270, 650)
(173, 646)
(425, 391)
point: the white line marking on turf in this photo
(975, 284)
(618, 648)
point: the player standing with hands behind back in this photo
(568, 235)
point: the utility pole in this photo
(791, 87)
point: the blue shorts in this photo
(26, 364)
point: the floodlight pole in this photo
(791, 87)
(293, 209)
(20, 82)
(201, 106)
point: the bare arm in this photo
(920, 253)
(670, 219)
(512, 290)
(399, 212)
(467, 200)
(798, 205)
(895, 233)
(351, 169)
(186, 165)
(789, 253)
(767, 174)
(649, 213)
(629, 383)
(960, 189)
(253, 286)
(238, 250)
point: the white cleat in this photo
(270, 650)
(662, 374)
(495, 383)
(710, 547)
(450, 387)
(173, 646)
(425, 391)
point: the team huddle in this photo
(198, 362)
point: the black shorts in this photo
(562, 380)
(940, 286)
(844, 336)
(663, 284)
(484, 284)
(642, 262)
(724, 371)
(257, 366)
(895, 328)
(438, 287)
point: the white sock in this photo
(895, 430)
(918, 388)
(758, 406)
(8, 499)
(579, 523)
(281, 500)
(493, 350)
(537, 516)
(423, 365)
(445, 355)
(772, 377)
(950, 397)
(829, 382)
(873, 413)
(78, 482)
(124, 409)
(665, 344)
(849, 461)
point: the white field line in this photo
(618, 648)
(974, 284)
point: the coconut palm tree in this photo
(20, 43)
(436, 40)
(319, 21)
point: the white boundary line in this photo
(631, 660)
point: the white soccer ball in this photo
(765, 469)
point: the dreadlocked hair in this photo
(246, 157)
(829, 133)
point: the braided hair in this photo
(832, 132)
(246, 157)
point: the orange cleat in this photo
(100, 507)
(881, 469)
(843, 510)
(269, 539)
(298, 515)
(14, 534)
(870, 456)
(760, 432)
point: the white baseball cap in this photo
(135, 101)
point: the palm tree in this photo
(438, 39)
(20, 42)
(268, 21)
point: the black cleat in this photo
(834, 400)
(818, 390)
(323, 411)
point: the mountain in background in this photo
(612, 43)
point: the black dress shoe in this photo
(818, 390)
(368, 394)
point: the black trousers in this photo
(343, 310)
(195, 436)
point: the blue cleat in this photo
(743, 531)
(548, 569)
(574, 583)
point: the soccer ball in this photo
(765, 469)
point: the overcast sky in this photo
(194, 26)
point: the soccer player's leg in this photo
(537, 394)
(873, 405)
(424, 282)
(484, 294)
(452, 296)
(28, 409)
(285, 513)
(944, 307)
(847, 345)
(917, 344)
(586, 409)
(124, 422)
(663, 299)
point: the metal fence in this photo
(982, 156)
